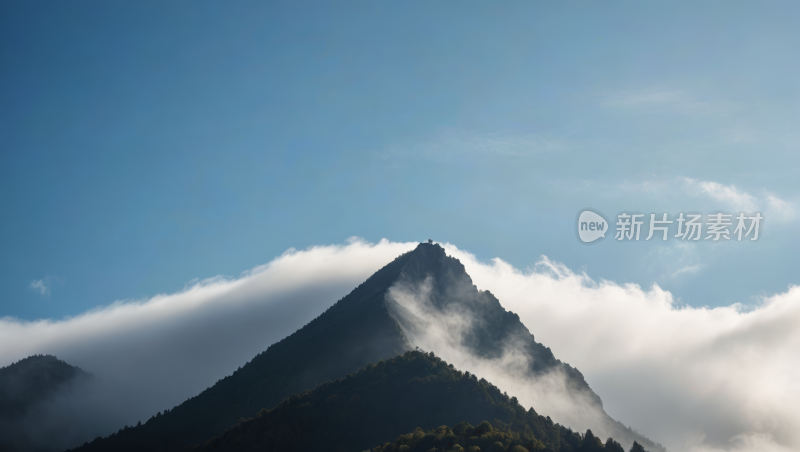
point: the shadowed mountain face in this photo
(395, 310)
(28, 389)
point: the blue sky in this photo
(145, 145)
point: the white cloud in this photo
(726, 194)
(724, 197)
(690, 269)
(154, 354)
(694, 379)
(446, 329)
(671, 101)
(41, 286)
(774, 208)
(779, 209)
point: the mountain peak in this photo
(432, 253)
(430, 246)
(431, 260)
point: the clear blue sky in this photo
(145, 144)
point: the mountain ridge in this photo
(363, 327)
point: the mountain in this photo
(27, 388)
(397, 309)
(383, 400)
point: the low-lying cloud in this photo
(693, 379)
(153, 354)
(446, 330)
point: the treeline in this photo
(493, 437)
(385, 400)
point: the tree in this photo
(591, 442)
(637, 447)
(483, 427)
(613, 446)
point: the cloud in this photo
(726, 194)
(153, 354)
(673, 260)
(449, 326)
(43, 285)
(724, 197)
(687, 269)
(774, 208)
(694, 379)
(669, 101)
(781, 210)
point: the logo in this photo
(591, 226)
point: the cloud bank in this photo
(693, 379)
(153, 354)
(448, 329)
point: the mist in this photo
(450, 329)
(447, 331)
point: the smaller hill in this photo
(383, 401)
(28, 390)
(33, 380)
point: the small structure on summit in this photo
(430, 242)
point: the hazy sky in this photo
(147, 144)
